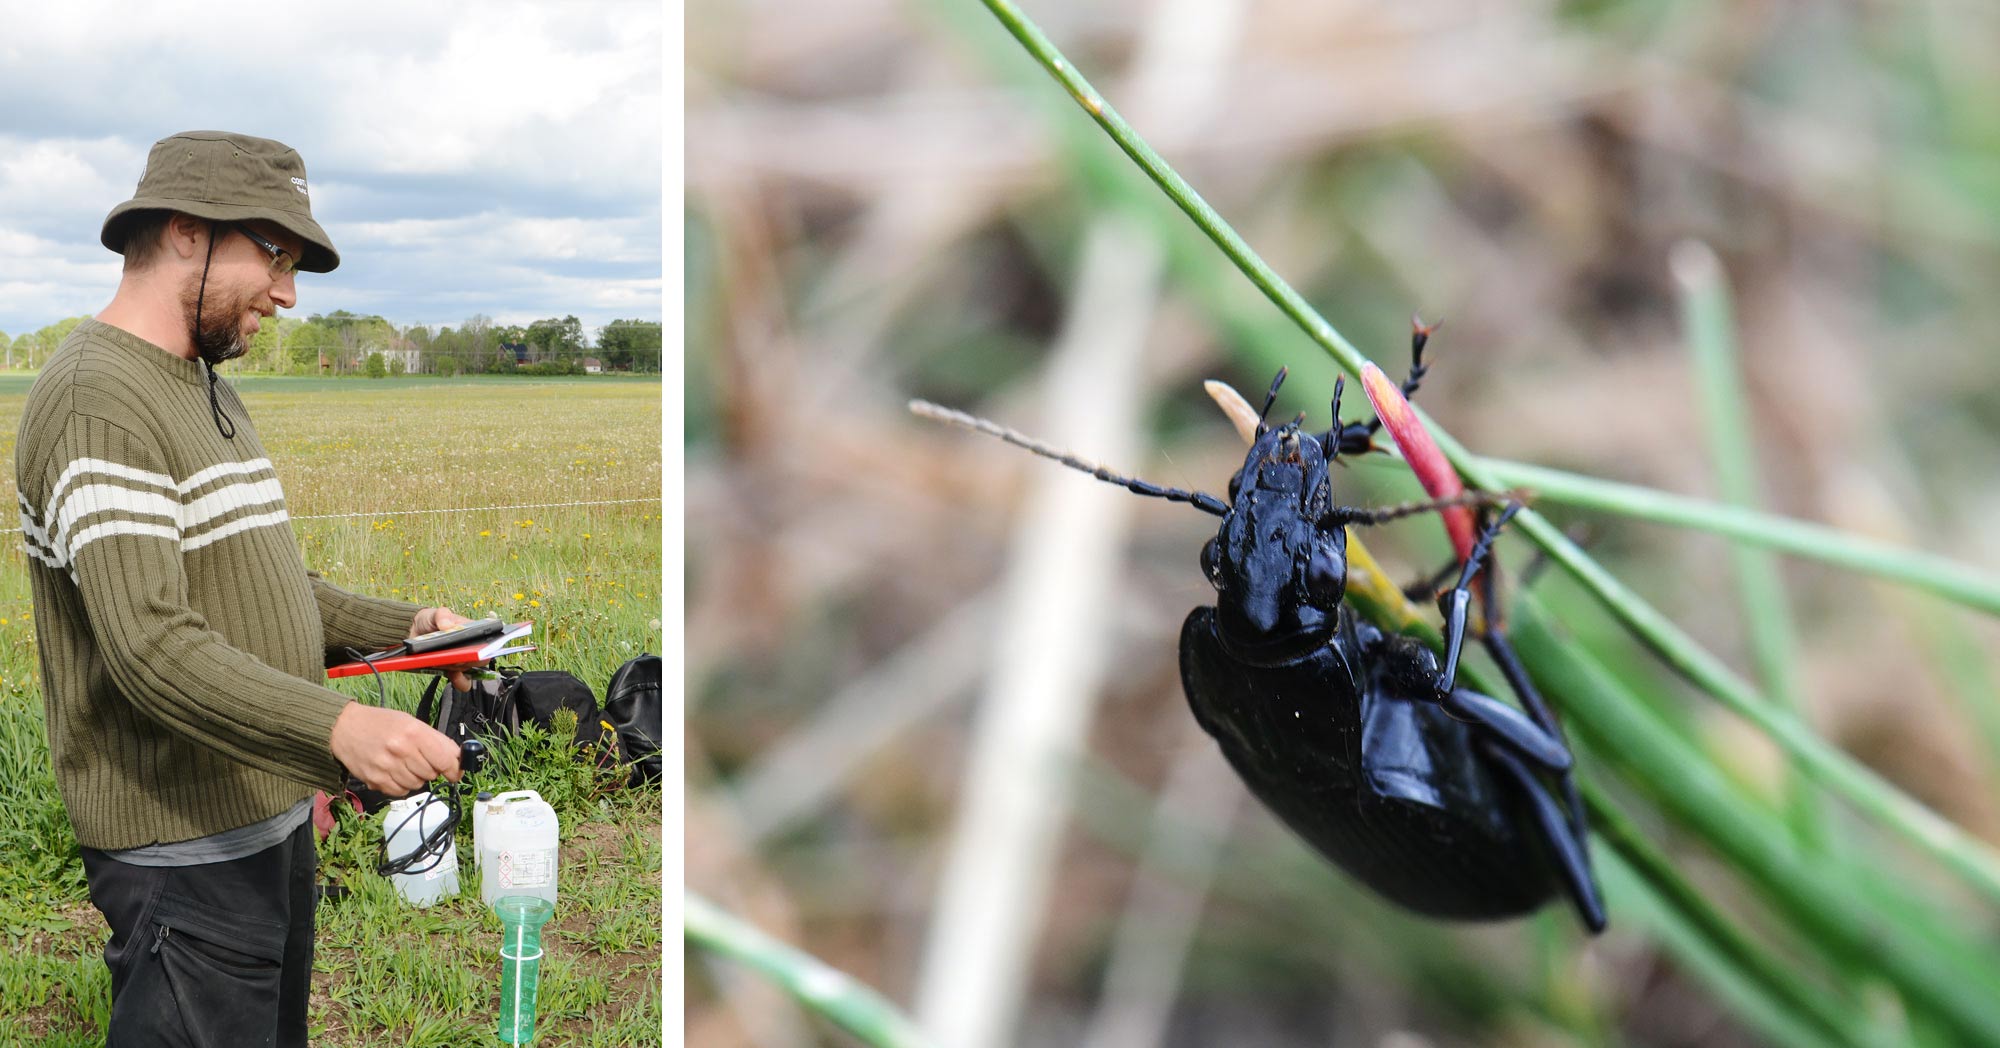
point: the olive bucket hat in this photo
(226, 178)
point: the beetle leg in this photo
(1494, 639)
(1531, 740)
(1457, 604)
(1359, 437)
(1428, 587)
(1567, 844)
(1361, 516)
(1502, 650)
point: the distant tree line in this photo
(344, 343)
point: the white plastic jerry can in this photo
(521, 839)
(405, 825)
(479, 806)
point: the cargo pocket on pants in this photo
(223, 970)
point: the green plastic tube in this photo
(521, 920)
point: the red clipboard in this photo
(469, 654)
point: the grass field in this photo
(404, 488)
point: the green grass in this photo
(589, 576)
(1832, 908)
(1831, 915)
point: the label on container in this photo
(527, 869)
(446, 865)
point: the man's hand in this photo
(391, 751)
(431, 620)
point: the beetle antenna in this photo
(1204, 502)
(1271, 397)
(1330, 443)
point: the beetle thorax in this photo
(1273, 605)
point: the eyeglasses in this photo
(282, 261)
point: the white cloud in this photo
(585, 109)
(61, 174)
(445, 140)
(494, 236)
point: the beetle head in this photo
(1279, 561)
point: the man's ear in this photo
(187, 235)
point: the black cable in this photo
(200, 295)
(437, 843)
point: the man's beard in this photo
(219, 335)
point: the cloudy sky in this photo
(496, 157)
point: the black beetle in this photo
(1431, 794)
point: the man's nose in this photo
(285, 292)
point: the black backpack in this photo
(538, 694)
(488, 709)
(500, 706)
(632, 705)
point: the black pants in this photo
(209, 956)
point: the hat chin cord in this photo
(200, 295)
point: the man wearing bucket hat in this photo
(182, 640)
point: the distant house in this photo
(403, 350)
(593, 366)
(520, 351)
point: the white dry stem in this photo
(810, 766)
(1048, 668)
(1171, 885)
(1047, 662)
(1190, 824)
(1241, 414)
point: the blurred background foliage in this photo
(889, 201)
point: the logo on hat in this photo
(300, 185)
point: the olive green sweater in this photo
(183, 643)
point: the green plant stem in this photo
(1963, 663)
(823, 989)
(1176, 188)
(1710, 331)
(1950, 978)
(1970, 858)
(1833, 769)
(1954, 581)
(1710, 931)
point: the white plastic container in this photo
(521, 843)
(479, 806)
(406, 823)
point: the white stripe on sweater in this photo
(97, 498)
(119, 527)
(109, 469)
(228, 500)
(245, 524)
(32, 541)
(177, 519)
(31, 522)
(224, 469)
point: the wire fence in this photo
(441, 585)
(471, 509)
(461, 509)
